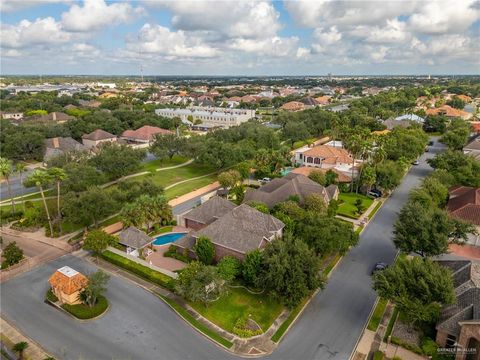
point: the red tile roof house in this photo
(233, 230)
(97, 137)
(464, 204)
(144, 136)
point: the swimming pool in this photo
(168, 238)
(286, 171)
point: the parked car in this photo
(379, 266)
(416, 162)
(264, 180)
(430, 143)
(375, 193)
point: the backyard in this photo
(156, 164)
(238, 302)
(347, 205)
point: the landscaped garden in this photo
(351, 203)
(238, 302)
(84, 312)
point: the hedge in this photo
(82, 311)
(144, 272)
(51, 296)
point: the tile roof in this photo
(98, 134)
(281, 189)
(306, 170)
(473, 145)
(64, 144)
(448, 111)
(330, 154)
(146, 132)
(134, 238)
(55, 116)
(68, 280)
(210, 210)
(293, 106)
(242, 229)
(464, 203)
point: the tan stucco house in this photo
(67, 284)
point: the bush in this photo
(82, 311)
(378, 355)
(241, 328)
(229, 268)
(51, 296)
(429, 347)
(12, 255)
(140, 270)
(173, 253)
(8, 216)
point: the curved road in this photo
(139, 326)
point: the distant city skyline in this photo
(240, 38)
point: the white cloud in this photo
(96, 14)
(159, 40)
(394, 31)
(38, 32)
(441, 17)
(17, 5)
(275, 46)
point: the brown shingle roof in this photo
(293, 106)
(68, 280)
(305, 170)
(210, 210)
(134, 238)
(242, 229)
(281, 189)
(146, 132)
(464, 203)
(98, 134)
(64, 144)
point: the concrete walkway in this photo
(33, 352)
(187, 180)
(365, 217)
(176, 166)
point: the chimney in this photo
(56, 144)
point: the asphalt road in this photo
(17, 187)
(139, 326)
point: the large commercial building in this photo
(209, 117)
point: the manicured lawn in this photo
(169, 177)
(82, 311)
(377, 315)
(347, 207)
(156, 164)
(195, 323)
(162, 230)
(375, 209)
(236, 302)
(182, 189)
(138, 269)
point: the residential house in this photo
(236, 232)
(342, 178)
(473, 148)
(11, 115)
(464, 98)
(98, 137)
(248, 99)
(339, 108)
(392, 123)
(325, 157)
(291, 185)
(293, 106)
(57, 117)
(67, 284)
(464, 204)
(449, 112)
(323, 100)
(207, 213)
(144, 136)
(410, 117)
(459, 324)
(61, 145)
(309, 102)
(134, 240)
(89, 103)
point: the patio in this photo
(156, 258)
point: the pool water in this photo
(286, 171)
(167, 238)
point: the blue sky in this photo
(201, 37)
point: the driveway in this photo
(139, 326)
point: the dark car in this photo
(430, 143)
(375, 193)
(379, 266)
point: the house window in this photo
(317, 161)
(309, 159)
(301, 156)
(451, 341)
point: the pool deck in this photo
(168, 263)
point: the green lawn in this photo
(182, 189)
(237, 302)
(156, 164)
(82, 311)
(347, 207)
(377, 315)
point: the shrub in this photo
(229, 268)
(51, 296)
(378, 355)
(241, 328)
(82, 311)
(429, 347)
(12, 255)
(173, 253)
(140, 270)
(205, 250)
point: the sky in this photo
(257, 38)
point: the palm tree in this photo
(40, 178)
(58, 175)
(6, 169)
(20, 168)
(20, 347)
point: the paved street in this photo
(139, 326)
(17, 187)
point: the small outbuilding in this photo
(67, 284)
(133, 239)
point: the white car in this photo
(264, 180)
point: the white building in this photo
(209, 116)
(12, 115)
(106, 85)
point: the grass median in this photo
(84, 312)
(377, 315)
